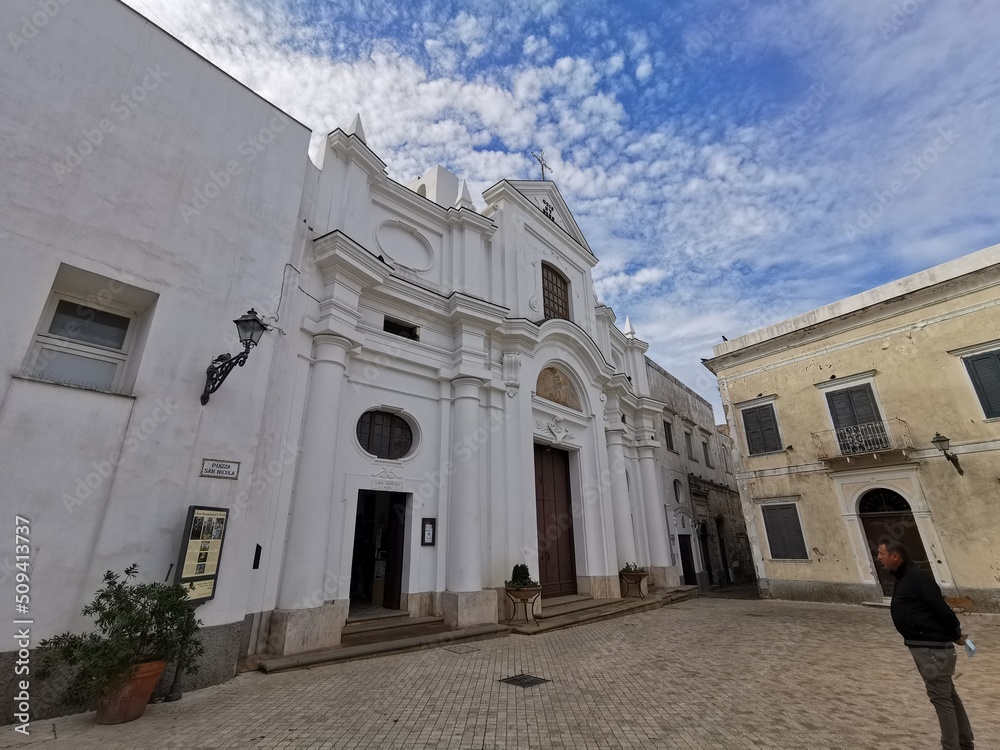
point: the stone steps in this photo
(596, 610)
(387, 624)
(364, 639)
(399, 640)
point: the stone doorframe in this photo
(850, 486)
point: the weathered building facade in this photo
(840, 416)
(708, 539)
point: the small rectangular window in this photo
(761, 428)
(668, 436)
(90, 333)
(401, 329)
(984, 371)
(784, 532)
(704, 449)
(689, 445)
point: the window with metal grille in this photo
(984, 370)
(384, 434)
(856, 419)
(761, 429)
(555, 293)
(784, 532)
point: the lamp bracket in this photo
(220, 368)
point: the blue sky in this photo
(732, 163)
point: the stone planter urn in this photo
(633, 577)
(524, 590)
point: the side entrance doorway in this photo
(377, 565)
(554, 514)
(687, 560)
(706, 557)
(886, 516)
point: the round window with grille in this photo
(384, 434)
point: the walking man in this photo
(930, 629)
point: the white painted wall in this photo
(112, 126)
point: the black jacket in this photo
(919, 611)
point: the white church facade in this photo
(440, 396)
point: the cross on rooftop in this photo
(540, 157)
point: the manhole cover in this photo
(524, 680)
(460, 649)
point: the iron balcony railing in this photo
(870, 437)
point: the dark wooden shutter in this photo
(793, 533)
(984, 370)
(853, 406)
(784, 532)
(775, 532)
(762, 429)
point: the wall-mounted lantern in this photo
(943, 444)
(249, 328)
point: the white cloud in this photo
(711, 214)
(644, 69)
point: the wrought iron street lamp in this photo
(942, 443)
(250, 328)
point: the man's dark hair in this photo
(897, 548)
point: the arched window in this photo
(555, 293)
(384, 434)
(881, 500)
(677, 492)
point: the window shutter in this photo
(755, 438)
(775, 532)
(769, 428)
(840, 409)
(863, 401)
(984, 370)
(853, 406)
(762, 429)
(793, 533)
(784, 532)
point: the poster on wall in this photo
(201, 550)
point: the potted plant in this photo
(633, 575)
(140, 627)
(522, 589)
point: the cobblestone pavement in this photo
(708, 673)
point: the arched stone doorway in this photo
(886, 516)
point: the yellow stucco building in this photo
(839, 417)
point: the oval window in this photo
(384, 434)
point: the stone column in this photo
(302, 621)
(621, 507)
(464, 603)
(656, 524)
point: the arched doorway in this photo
(886, 516)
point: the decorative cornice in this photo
(352, 148)
(335, 252)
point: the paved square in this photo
(709, 673)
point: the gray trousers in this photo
(937, 667)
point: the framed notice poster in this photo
(427, 532)
(201, 550)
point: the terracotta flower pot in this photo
(127, 700)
